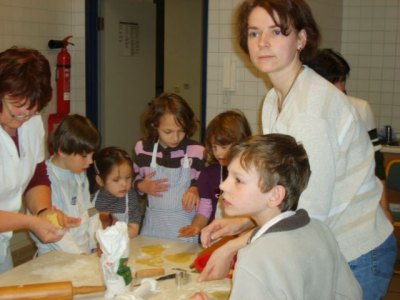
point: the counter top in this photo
(144, 253)
(390, 149)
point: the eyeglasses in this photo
(17, 117)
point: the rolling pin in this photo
(47, 291)
(144, 273)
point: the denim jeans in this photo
(374, 269)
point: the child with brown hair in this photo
(73, 142)
(289, 255)
(225, 130)
(167, 166)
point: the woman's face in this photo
(15, 112)
(269, 50)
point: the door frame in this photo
(92, 63)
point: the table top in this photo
(145, 253)
(390, 149)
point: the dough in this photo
(180, 258)
(53, 219)
(153, 250)
(153, 262)
(220, 295)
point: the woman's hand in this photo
(190, 199)
(224, 227)
(153, 187)
(45, 230)
(220, 262)
(63, 220)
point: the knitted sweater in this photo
(343, 190)
(297, 258)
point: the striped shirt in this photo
(106, 202)
(168, 157)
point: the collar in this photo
(286, 221)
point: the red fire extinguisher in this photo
(63, 80)
(63, 74)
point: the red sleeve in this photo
(40, 176)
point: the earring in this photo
(299, 49)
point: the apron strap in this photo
(153, 163)
(95, 197)
(126, 204)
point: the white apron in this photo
(122, 217)
(16, 170)
(79, 239)
(165, 215)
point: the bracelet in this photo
(42, 210)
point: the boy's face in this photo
(119, 181)
(170, 133)
(76, 163)
(241, 193)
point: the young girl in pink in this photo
(167, 166)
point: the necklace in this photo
(280, 103)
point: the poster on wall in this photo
(129, 38)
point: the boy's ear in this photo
(277, 194)
(59, 152)
(99, 181)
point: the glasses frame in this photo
(17, 117)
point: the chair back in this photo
(393, 175)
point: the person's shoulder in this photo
(318, 84)
(190, 142)
(212, 168)
(358, 101)
(194, 148)
(34, 124)
(209, 172)
(143, 146)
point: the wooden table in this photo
(86, 270)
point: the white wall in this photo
(183, 51)
(371, 43)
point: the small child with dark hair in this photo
(73, 142)
(289, 255)
(116, 200)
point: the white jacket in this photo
(16, 170)
(343, 190)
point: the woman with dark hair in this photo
(25, 90)
(280, 37)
